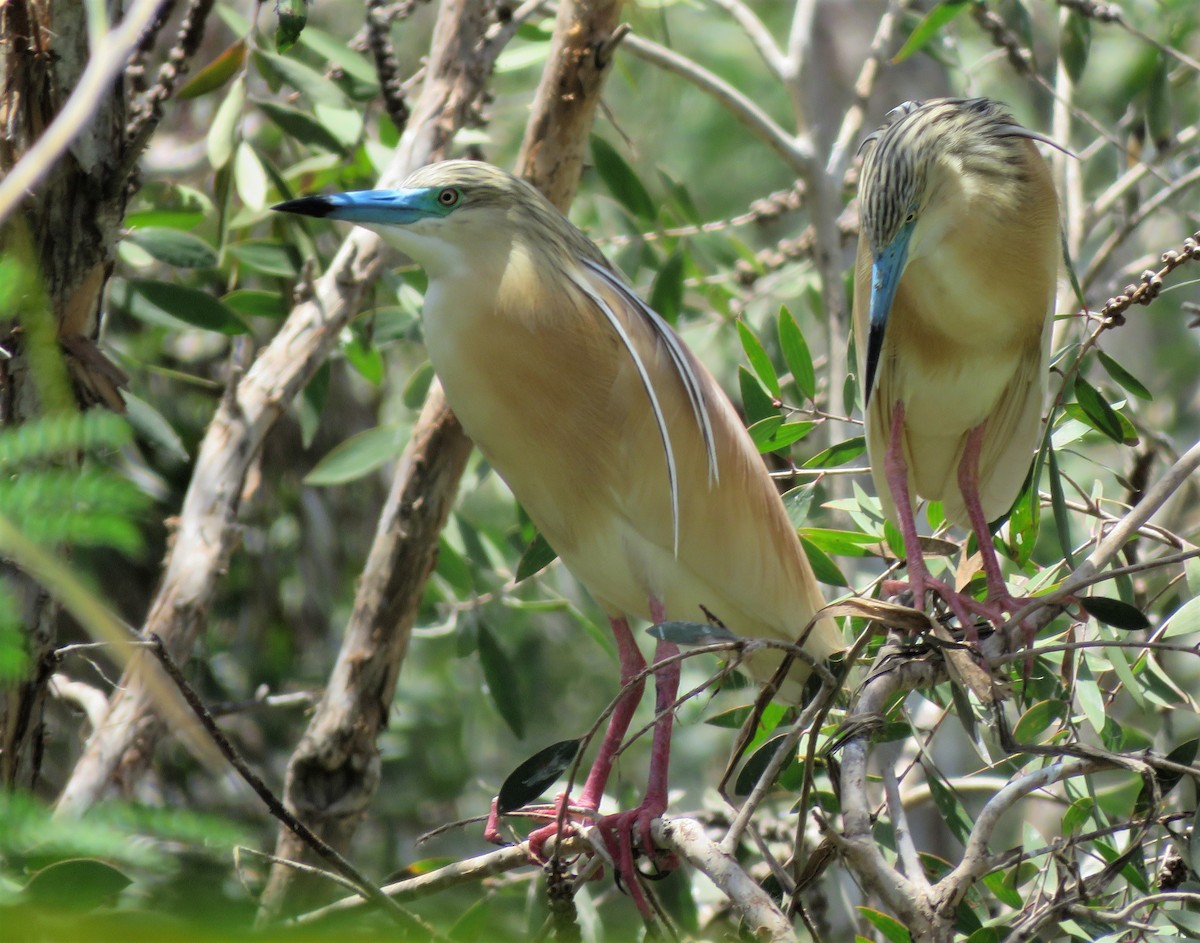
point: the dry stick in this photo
(365, 887)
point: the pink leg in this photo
(999, 600)
(919, 578)
(618, 830)
(632, 664)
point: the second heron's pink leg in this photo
(919, 579)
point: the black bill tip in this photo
(306, 206)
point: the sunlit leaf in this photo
(759, 361)
(172, 247)
(357, 456)
(216, 73)
(225, 129)
(796, 354)
(621, 180)
(537, 556)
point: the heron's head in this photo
(446, 215)
(922, 172)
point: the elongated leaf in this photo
(759, 361)
(172, 247)
(621, 181)
(1075, 40)
(1124, 378)
(225, 129)
(356, 457)
(845, 543)
(268, 258)
(773, 434)
(301, 126)
(256, 303)
(1100, 416)
(823, 567)
(501, 680)
(796, 354)
(1058, 500)
(537, 556)
(892, 929)
(176, 306)
(249, 177)
(1039, 718)
(691, 633)
(929, 27)
(666, 297)
(308, 82)
(216, 73)
(840, 454)
(535, 775)
(1114, 612)
(755, 401)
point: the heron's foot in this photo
(627, 834)
(966, 609)
(574, 816)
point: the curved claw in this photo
(617, 833)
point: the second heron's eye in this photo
(449, 197)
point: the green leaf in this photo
(755, 401)
(1035, 721)
(1100, 416)
(1058, 501)
(845, 543)
(537, 556)
(837, 455)
(292, 15)
(823, 567)
(153, 427)
(357, 456)
(76, 885)
(216, 73)
(175, 306)
(929, 27)
(1159, 120)
(307, 81)
(302, 127)
(773, 434)
(759, 361)
(1124, 378)
(249, 177)
(254, 302)
(621, 181)
(535, 775)
(892, 929)
(280, 259)
(953, 814)
(335, 49)
(1184, 621)
(417, 387)
(1114, 612)
(1182, 755)
(226, 125)
(666, 297)
(501, 680)
(1075, 40)
(798, 503)
(1005, 891)
(796, 354)
(756, 765)
(691, 633)
(172, 247)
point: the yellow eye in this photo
(448, 197)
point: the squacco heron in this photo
(957, 266)
(619, 444)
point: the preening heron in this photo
(958, 258)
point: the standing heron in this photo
(618, 443)
(955, 281)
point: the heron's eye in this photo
(449, 197)
(911, 217)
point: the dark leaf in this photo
(621, 181)
(823, 567)
(1114, 612)
(1100, 415)
(501, 680)
(666, 297)
(691, 633)
(531, 778)
(754, 767)
(1058, 501)
(293, 14)
(216, 73)
(755, 401)
(892, 929)
(172, 247)
(796, 354)
(77, 885)
(537, 556)
(1167, 779)
(759, 361)
(175, 306)
(840, 454)
(302, 127)
(1123, 377)
(1075, 41)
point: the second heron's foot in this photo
(562, 824)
